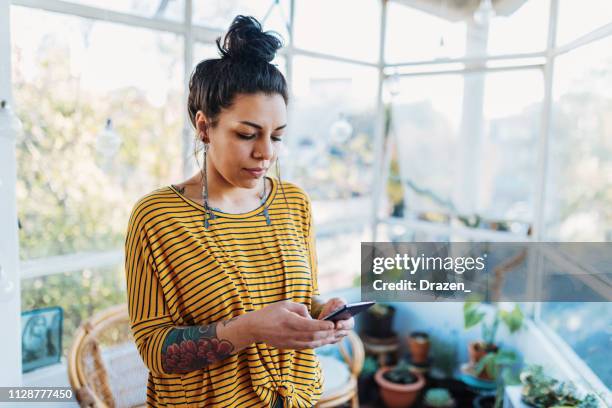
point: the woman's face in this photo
(247, 138)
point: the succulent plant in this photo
(438, 398)
(401, 374)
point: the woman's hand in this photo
(288, 325)
(342, 327)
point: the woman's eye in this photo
(246, 136)
(277, 138)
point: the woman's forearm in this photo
(191, 348)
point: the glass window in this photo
(81, 294)
(520, 30)
(426, 114)
(202, 51)
(585, 327)
(414, 35)
(328, 27)
(332, 126)
(467, 146)
(339, 256)
(219, 14)
(168, 10)
(78, 174)
(577, 18)
(579, 191)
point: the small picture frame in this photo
(41, 337)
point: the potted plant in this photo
(399, 385)
(543, 391)
(473, 315)
(418, 344)
(497, 366)
(438, 398)
(378, 321)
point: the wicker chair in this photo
(104, 367)
(341, 377)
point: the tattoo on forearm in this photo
(191, 348)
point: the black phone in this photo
(346, 311)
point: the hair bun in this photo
(245, 40)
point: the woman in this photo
(221, 269)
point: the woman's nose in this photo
(264, 149)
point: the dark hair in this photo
(243, 67)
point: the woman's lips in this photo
(256, 171)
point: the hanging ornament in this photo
(108, 141)
(341, 130)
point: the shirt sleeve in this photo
(312, 248)
(150, 319)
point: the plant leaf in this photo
(471, 317)
(513, 319)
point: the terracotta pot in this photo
(398, 395)
(418, 344)
(477, 350)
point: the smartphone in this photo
(346, 311)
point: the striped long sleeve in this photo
(180, 273)
(150, 318)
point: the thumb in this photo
(299, 309)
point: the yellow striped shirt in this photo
(179, 273)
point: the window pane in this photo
(467, 145)
(585, 327)
(346, 28)
(332, 126)
(81, 294)
(219, 14)
(202, 51)
(414, 35)
(168, 10)
(522, 30)
(75, 185)
(339, 256)
(577, 18)
(579, 191)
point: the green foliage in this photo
(512, 319)
(542, 391)
(472, 316)
(67, 200)
(401, 374)
(495, 362)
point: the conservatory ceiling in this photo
(457, 10)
